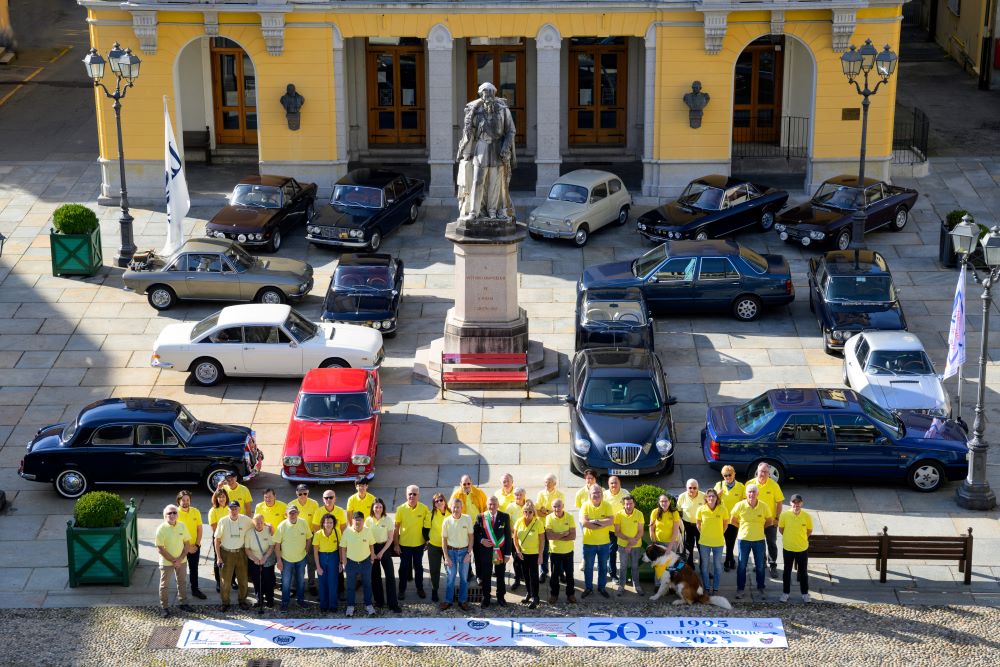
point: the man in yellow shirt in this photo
(307, 507)
(596, 517)
(770, 494)
(230, 536)
(730, 492)
(271, 509)
(629, 523)
(505, 494)
(173, 543)
(614, 495)
(413, 527)
(238, 492)
(751, 516)
(361, 501)
(473, 498)
(457, 543)
(191, 517)
(560, 531)
(357, 553)
(796, 528)
(291, 547)
(543, 507)
(688, 504)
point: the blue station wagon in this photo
(834, 434)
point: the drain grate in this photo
(264, 662)
(163, 637)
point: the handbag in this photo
(272, 559)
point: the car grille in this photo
(326, 468)
(334, 232)
(624, 453)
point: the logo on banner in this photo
(766, 640)
(544, 629)
(283, 640)
(479, 625)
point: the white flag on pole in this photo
(178, 199)
(956, 332)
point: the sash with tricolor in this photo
(497, 544)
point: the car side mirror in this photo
(570, 400)
(390, 201)
(882, 441)
(653, 279)
(671, 400)
(395, 292)
(292, 343)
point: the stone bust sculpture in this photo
(486, 157)
(292, 102)
(696, 101)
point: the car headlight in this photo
(386, 324)
(818, 236)
(664, 447)
(581, 446)
(780, 227)
(842, 335)
(291, 461)
(357, 233)
(941, 412)
(361, 460)
(259, 237)
(568, 222)
(241, 238)
(303, 286)
(642, 226)
(531, 218)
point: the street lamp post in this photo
(975, 492)
(125, 66)
(855, 62)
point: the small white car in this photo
(892, 369)
(264, 341)
(580, 203)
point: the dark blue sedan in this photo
(685, 276)
(366, 289)
(834, 434)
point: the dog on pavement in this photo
(672, 574)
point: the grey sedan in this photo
(216, 270)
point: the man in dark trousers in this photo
(492, 545)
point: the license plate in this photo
(620, 472)
(548, 235)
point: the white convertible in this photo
(263, 340)
(892, 369)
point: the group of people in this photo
(336, 551)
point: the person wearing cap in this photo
(173, 542)
(357, 553)
(272, 509)
(230, 537)
(238, 492)
(308, 508)
(291, 547)
(413, 527)
(795, 527)
(360, 501)
(191, 517)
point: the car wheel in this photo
(207, 372)
(375, 242)
(216, 476)
(900, 219)
(161, 297)
(623, 215)
(581, 236)
(925, 476)
(334, 363)
(767, 220)
(777, 470)
(71, 483)
(701, 236)
(844, 239)
(271, 296)
(747, 308)
(414, 212)
(275, 242)
(535, 235)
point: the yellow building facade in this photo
(601, 81)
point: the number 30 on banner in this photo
(603, 631)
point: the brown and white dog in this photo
(682, 580)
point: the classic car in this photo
(852, 291)
(826, 219)
(262, 341)
(619, 414)
(333, 434)
(366, 289)
(892, 369)
(833, 434)
(262, 209)
(684, 276)
(580, 203)
(613, 317)
(138, 441)
(216, 270)
(712, 207)
(366, 206)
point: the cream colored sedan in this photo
(579, 203)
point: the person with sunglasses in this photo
(529, 536)
(413, 526)
(730, 492)
(435, 554)
(230, 537)
(340, 517)
(688, 504)
(292, 541)
(191, 517)
(173, 542)
(307, 509)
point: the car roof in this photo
(365, 259)
(811, 399)
(158, 410)
(206, 245)
(851, 180)
(629, 361)
(720, 181)
(331, 380)
(254, 313)
(902, 341)
(586, 177)
(370, 177)
(614, 294)
(854, 262)
(265, 179)
(702, 248)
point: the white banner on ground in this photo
(458, 632)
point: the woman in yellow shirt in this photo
(529, 543)
(712, 520)
(326, 553)
(220, 508)
(382, 529)
(665, 523)
(439, 512)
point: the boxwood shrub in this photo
(74, 219)
(98, 509)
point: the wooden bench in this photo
(485, 368)
(199, 140)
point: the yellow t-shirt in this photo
(457, 531)
(358, 504)
(663, 524)
(437, 518)
(273, 515)
(528, 534)
(688, 506)
(769, 493)
(358, 543)
(712, 533)
(752, 520)
(265, 537)
(628, 525)
(582, 495)
(616, 501)
(240, 494)
(504, 498)
(554, 523)
(730, 497)
(192, 519)
(231, 533)
(410, 522)
(795, 537)
(339, 515)
(589, 512)
(380, 529)
(217, 513)
(294, 540)
(326, 543)
(473, 502)
(306, 509)
(515, 512)
(543, 503)
(172, 538)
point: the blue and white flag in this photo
(956, 332)
(178, 200)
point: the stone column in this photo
(440, 110)
(650, 173)
(340, 107)
(548, 45)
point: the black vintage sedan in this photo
(826, 219)
(367, 205)
(619, 414)
(851, 291)
(138, 441)
(613, 317)
(262, 209)
(713, 207)
(366, 289)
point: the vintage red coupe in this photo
(333, 434)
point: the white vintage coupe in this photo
(892, 369)
(264, 341)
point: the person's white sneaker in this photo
(350, 612)
(783, 598)
(370, 610)
(805, 597)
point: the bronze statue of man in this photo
(486, 157)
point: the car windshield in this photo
(899, 362)
(752, 415)
(69, 431)
(624, 312)
(205, 326)
(631, 394)
(753, 259)
(240, 260)
(576, 194)
(333, 407)
(185, 424)
(362, 278)
(649, 261)
(871, 289)
(701, 195)
(837, 196)
(300, 328)
(258, 196)
(891, 422)
(357, 196)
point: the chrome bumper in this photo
(26, 475)
(156, 363)
(336, 242)
(552, 233)
(322, 480)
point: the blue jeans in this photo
(290, 571)
(458, 569)
(601, 552)
(745, 547)
(330, 562)
(713, 554)
(361, 569)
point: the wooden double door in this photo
(598, 90)
(757, 92)
(397, 107)
(234, 93)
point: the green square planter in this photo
(103, 555)
(76, 254)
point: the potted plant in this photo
(946, 252)
(75, 241)
(647, 499)
(102, 541)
